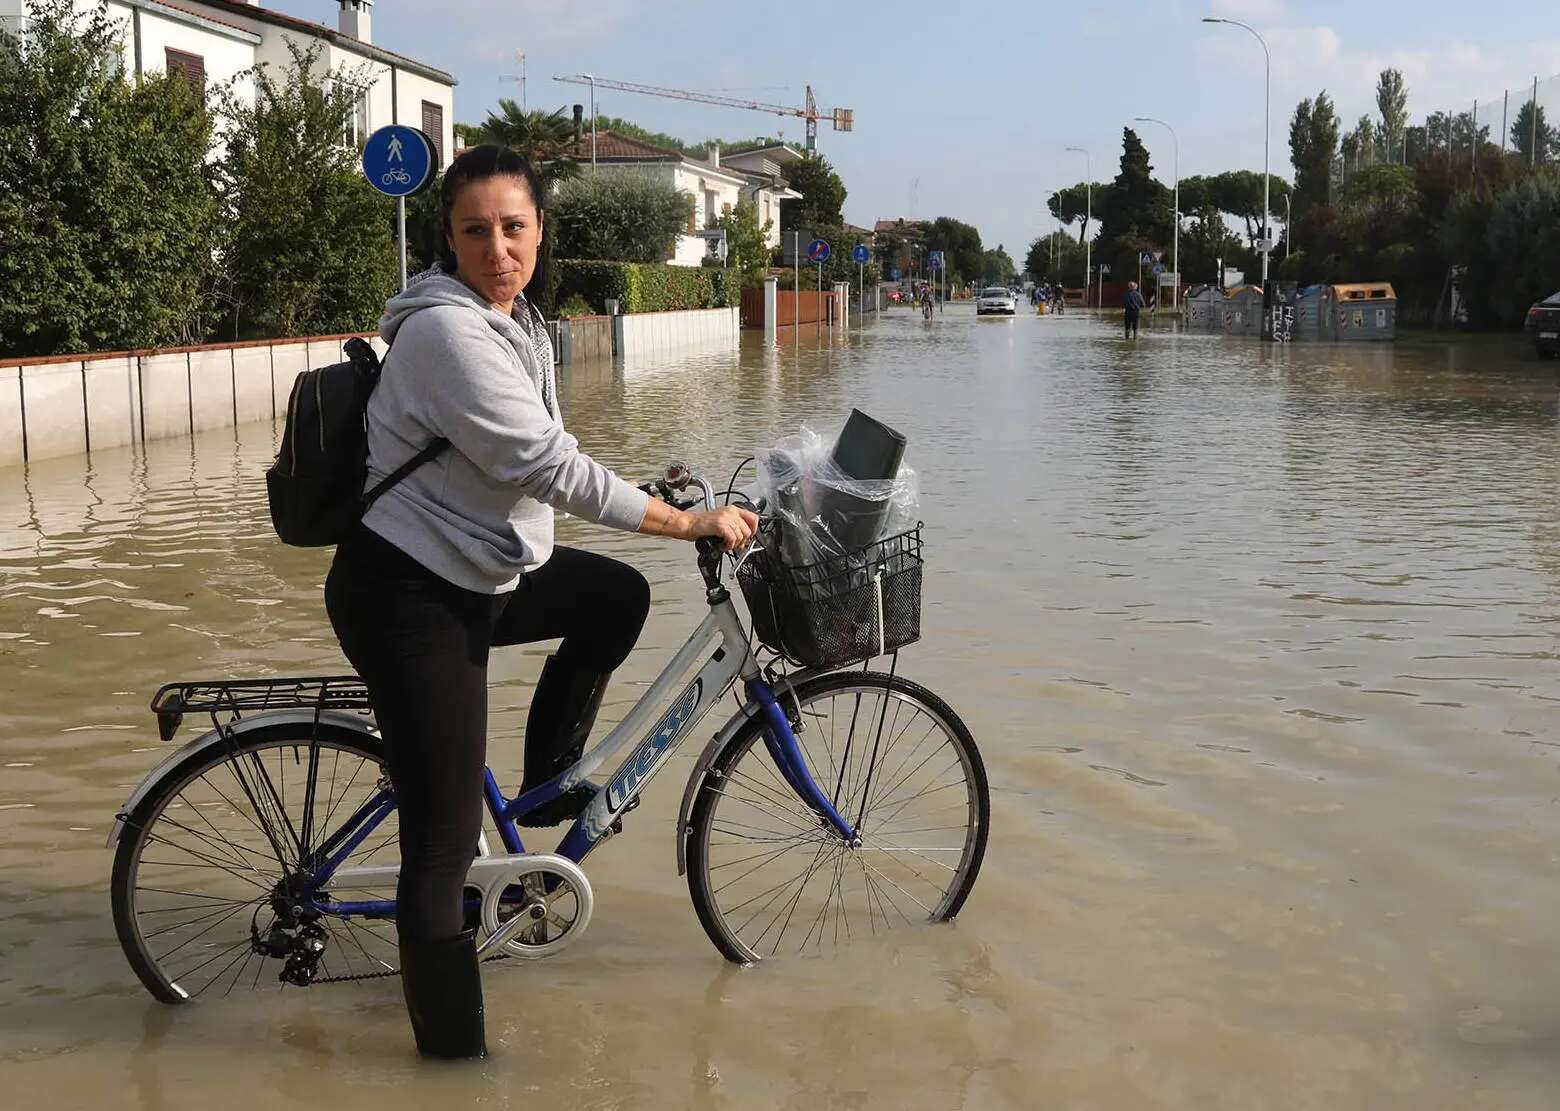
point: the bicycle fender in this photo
(265, 720)
(706, 758)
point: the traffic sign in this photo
(1158, 269)
(818, 251)
(399, 161)
(934, 260)
(1146, 257)
(861, 254)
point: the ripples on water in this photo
(1259, 645)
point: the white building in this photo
(713, 188)
(764, 168)
(211, 41)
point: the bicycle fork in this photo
(787, 755)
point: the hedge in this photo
(645, 287)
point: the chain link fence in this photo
(1520, 122)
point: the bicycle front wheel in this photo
(768, 876)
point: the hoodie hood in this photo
(435, 286)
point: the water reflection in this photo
(1259, 644)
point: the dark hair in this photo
(479, 164)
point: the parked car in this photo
(1543, 324)
(996, 299)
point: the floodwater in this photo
(1259, 646)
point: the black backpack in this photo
(315, 487)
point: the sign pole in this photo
(400, 230)
(796, 285)
(399, 162)
(820, 298)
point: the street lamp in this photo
(592, 80)
(1088, 244)
(1176, 288)
(1266, 128)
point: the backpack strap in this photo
(436, 445)
(361, 353)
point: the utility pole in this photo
(1267, 127)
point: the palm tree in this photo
(543, 137)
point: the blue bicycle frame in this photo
(658, 740)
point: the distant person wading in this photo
(1132, 305)
(459, 557)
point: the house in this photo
(713, 188)
(764, 167)
(211, 41)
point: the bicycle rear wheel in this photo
(210, 862)
(767, 875)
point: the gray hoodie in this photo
(481, 513)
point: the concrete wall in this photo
(651, 333)
(66, 406)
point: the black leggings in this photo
(421, 644)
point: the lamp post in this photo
(1289, 228)
(1176, 235)
(1088, 245)
(1267, 62)
(592, 80)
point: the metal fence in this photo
(1522, 121)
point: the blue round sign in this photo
(399, 161)
(861, 254)
(817, 251)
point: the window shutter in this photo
(433, 127)
(191, 67)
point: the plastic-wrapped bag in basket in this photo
(838, 494)
(839, 578)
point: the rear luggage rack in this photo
(239, 696)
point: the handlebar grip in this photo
(709, 545)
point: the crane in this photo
(843, 119)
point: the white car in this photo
(996, 299)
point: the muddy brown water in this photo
(1259, 646)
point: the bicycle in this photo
(264, 841)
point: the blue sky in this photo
(963, 109)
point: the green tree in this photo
(310, 249)
(1522, 134)
(747, 249)
(619, 217)
(1239, 193)
(543, 137)
(1068, 255)
(960, 244)
(1515, 265)
(1392, 103)
(1206, 241)
(823, 196)
(1136, 213)
(997, 266)
(1072, 205)
(108, 217)
(1313, 141)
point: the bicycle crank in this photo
(533, 904)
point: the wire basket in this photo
(841, 609)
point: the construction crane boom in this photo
(843, 119)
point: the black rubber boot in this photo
(443, 986)
(563, 711)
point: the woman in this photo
(459, 556)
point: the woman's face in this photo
(495, 230)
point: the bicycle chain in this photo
(392, 972)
